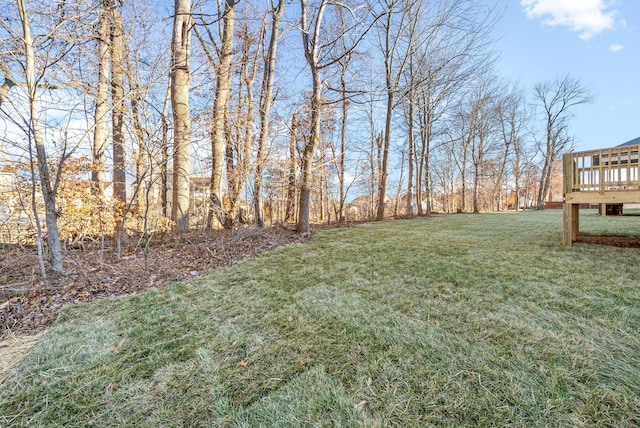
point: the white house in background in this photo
(7, 183)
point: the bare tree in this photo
(343, 48)
(310, 29)
(180, 81)
(316, 42)
(265, 107)
(117, 101)
(460, 136)
(397, 44)
(164, 151)
(451, 47)
(557, 98)
(102, 94)
(522, 163)
(136, 99)
(148, 80)
(445, 176)
(218, 216)
(482, 128)
(240, 128)
(289, 213)
(36, 132)
(410, 119)
(513, 118)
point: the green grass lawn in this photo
(465, 320)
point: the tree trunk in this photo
(463, 178)
(164, 151)
(289, 213)
(545, 180)
(180, 81)
(239, 146)
(321, 188)
(36, 215)
(398, 197)
(102, 94)
(232, 147)
(420, 159)
(117, 100)
(427, 176)
(411, 155)
(343, 148)
(375, 181)
(507, 138)
(344, 101)
(422, 175)
(390, 88)
(476, 188)
(311, 46)
(517, 173)
(265, 108)
(48, 190)
(245, 160)
(545, 176)
(218, 217)
(307, 159)
(135, 99)
(384, 167)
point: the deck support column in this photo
(571, 223)
(570, 211)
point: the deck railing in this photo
(603, 170)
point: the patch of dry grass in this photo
(14, 349)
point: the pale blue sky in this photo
(596, 41)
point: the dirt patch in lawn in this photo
(614, 241)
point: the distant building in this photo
(7, 184)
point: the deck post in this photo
(570, 212)
(571, 223)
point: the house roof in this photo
(634, 142)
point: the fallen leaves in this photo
(27, 305)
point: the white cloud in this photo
(616, 48)
(587, 17)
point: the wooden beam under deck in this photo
(603, 197)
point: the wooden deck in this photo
(606, 176)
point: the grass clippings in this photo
(470, 320)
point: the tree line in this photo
(133, 116)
